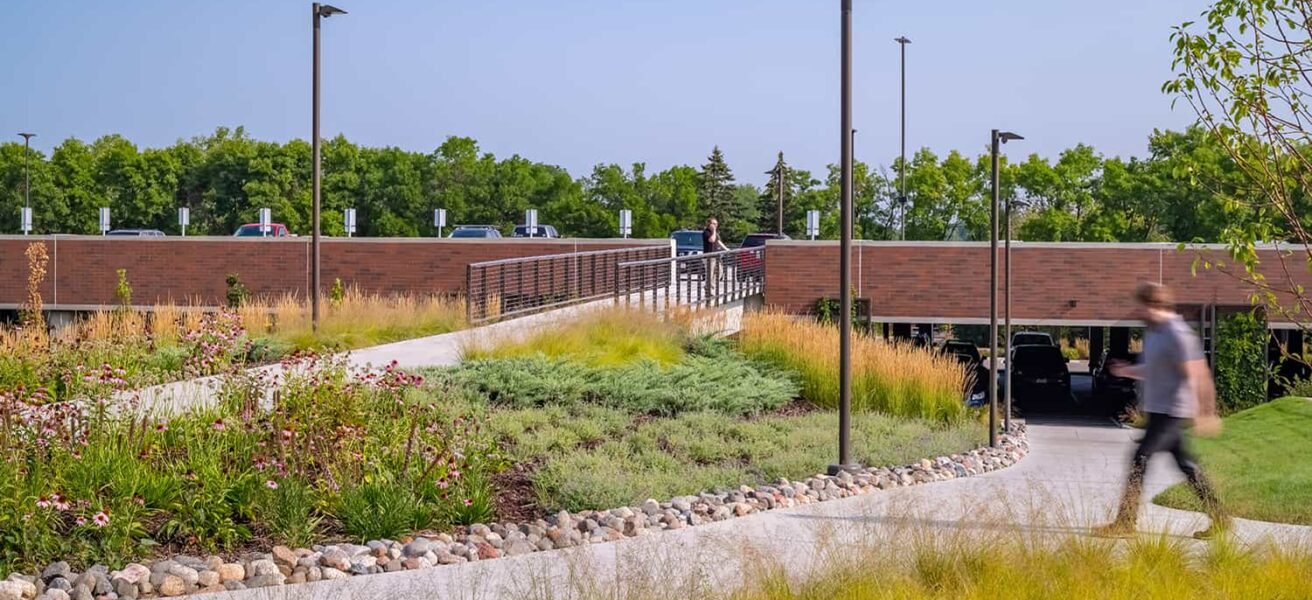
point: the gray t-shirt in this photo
(1165, 388)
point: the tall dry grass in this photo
(892, 379)
(356, 320)
(605, 337)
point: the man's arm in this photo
(1124, 369)
(1200, 378)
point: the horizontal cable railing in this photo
(501, 289)
(696, 280)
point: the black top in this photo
(710, 241)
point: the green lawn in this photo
(1260, 464)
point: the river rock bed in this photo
(182, 575)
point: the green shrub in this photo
(287, 509)
(1240, 362)
(1301, 388)
(728, 384)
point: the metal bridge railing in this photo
(697, 280)
(501, 289)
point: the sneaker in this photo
(1219, 527)
(1116, 529)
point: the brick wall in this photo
(1051, 283)
(193, 269)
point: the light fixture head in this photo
(904, 40)
(27, 136)
(1007, 136)
(328, 10)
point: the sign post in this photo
(104, 220)
(25, 219)
(349, 217)
(531, 222)
(266, 220)
(184, 219)
(626, 223)
(812, 223)
(439, 220)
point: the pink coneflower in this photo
(42, 502)
(442, 484)
(469, 502)
(271, 484)
(455, 474)
(161, 427)
(101, 519)
(218, 425)
(80, 521)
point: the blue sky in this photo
(577, 82)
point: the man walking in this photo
(1176, 388)
(711, 242)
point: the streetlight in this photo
(1005, 137)
(845, 250)
(27, 177)
(320, 11)
(999, 138)
(902, 173)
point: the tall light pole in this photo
(998, 138)
(27, 173)
(1003, 138)
(320, 11)
(845, 250)
(902, 173)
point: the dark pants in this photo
(1165, 434)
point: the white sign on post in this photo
(531, 222)
(25, 219)
(439, 220)
(812, 223)
(184, 219)
(349, 217)
(626, 223)
(266, 220)
(104, 220)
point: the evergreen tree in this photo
(779, 192)
(716, 196)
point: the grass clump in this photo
(1013, 565)
(605, 338)
(893, 379)
(600, 457)
(1259, 464)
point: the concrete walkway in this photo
(1069, 482)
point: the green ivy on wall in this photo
(1240, 361)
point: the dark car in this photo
(544, 231)
(1112, 393)
(137, 232)
(967, 354)
(751, 265)
(1040, 378)
(687, 241)
(1031, 338)
(474, 231)
(253, 230)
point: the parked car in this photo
(967, 354)
(749, 264)
(544, 231)
(253, 230)
(1113, 393)
(474, 231)
(1040, 378)
(137, 232)
(1031, 338)
(687, 241)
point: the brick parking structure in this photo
(1052, 283)
(81, 273)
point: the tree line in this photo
(1186, 189)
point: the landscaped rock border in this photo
(183, 575)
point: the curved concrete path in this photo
(1069, 482)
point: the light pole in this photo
(999, 137)
(320, 11)
(1003, 138)
(845, 250)
(27, 173)
(902, 173)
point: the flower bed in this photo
(283, 565)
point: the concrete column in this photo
(887, 331)
(1096, 343)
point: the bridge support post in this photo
(1096, 343)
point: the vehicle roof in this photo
(257, 225)
(1035, 348)
(477, 226)
(773, 236)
